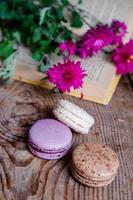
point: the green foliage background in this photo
(38, 24)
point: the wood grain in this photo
(26, 177)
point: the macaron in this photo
(73, 116)
(49, 139)
(94, 165)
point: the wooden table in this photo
(26, 177)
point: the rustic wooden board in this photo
(25, 177)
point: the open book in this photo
(102, 80)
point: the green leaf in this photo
(38, 55)
(53, 29)
(6, 48)
(60, 13)
(17, 36)
(66, 35)
(36, 24)
(45, 46)
(7, 70)
(43, 68)
(57, 50)
(50, 16)
(19, 2)
(76, 20)
(29, 21)
(80, 1)
(30, 5)
(59, 38)
(42, 14)
(13, 15)
(45, 32)
(3, 10)
(47, 2)
(65, 2)
(28, 41)
(36, 35)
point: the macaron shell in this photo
(79, 112)
(50, 134)
(73, 116)
(95, 160)
(78, 120)
(70, 122)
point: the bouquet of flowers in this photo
(42, 26)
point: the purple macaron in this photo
(49, 139)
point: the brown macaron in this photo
(94, 165)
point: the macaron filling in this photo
(48, 151)
(91, 182)
(89, 178)
(99, 179)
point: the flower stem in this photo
(130, 80)
(83, 19)
(91, 17)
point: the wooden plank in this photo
(26, 177)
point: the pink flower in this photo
(123, 58)
(69, 46)
(94, 40)
(119, 29)
(67, 75)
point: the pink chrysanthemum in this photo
(119, 29)
(94, 40)
(123, 58)
(67, 75)
(69, 46)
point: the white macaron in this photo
(73, 116)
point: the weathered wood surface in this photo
(26, 177)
